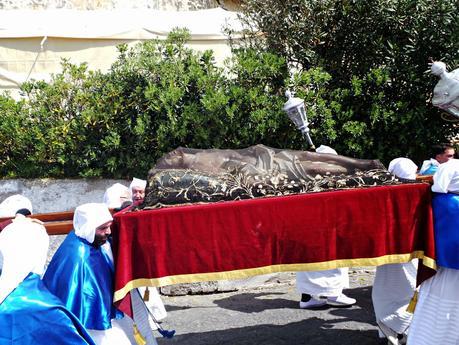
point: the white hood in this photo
(88, 217)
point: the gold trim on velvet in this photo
(249, 272)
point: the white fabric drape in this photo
(446, 179)
(436, 317)
(323, 283)
(393, 288)
(403, 168)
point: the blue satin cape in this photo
(430, 170)
(81, 275)
(446, 225)
(31, 315)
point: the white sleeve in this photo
(442, 178)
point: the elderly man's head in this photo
(138, 190)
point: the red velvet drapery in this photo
(236, 239)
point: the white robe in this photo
(393, 288)
(326, 283)
(122, 331)
(154, 304)
(436, 317)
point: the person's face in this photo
(102, 233)
(445, 156)
(138, 194)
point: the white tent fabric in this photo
(32, 43)
(128, 23)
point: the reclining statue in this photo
(192, 175)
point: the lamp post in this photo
(294, 107)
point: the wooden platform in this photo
(56, 223)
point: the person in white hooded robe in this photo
(395, 284)
(29, 313)
(320, 288)
(137, 188)
(440, 154)
(151, 295)
(81, 274)
(116, 195)
(436, 317)
(12, 206)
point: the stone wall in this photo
(170, 5)
(49, 195)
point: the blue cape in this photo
(32, 315)
(446, 225)
(430, 170)
(81, 275)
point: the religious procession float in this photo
(228, 214)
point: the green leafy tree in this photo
(377, 55)
(159, 95)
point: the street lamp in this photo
(294, 107)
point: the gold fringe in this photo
(139, 339)
(246, 273)
(146, 295)
(412, 306)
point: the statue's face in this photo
(445, 156)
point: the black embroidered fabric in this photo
(186, 176)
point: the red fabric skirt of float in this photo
(238, 239)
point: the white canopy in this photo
(114, 24)
(32, 43)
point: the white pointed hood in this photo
(88, 217)
(12, 204)
(114, 194)
(23, 249)
(403, 168)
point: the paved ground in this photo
(270, 316)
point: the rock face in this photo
(193, 176)
(169, 5)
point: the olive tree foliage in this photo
(157, 96)
(376, 53)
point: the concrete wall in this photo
(49, 195)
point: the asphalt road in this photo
(269, 315)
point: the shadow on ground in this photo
(340, 326)
(261, 301)
(311, 331)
